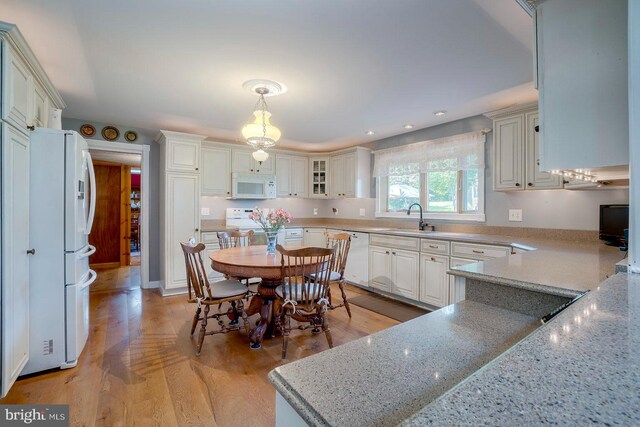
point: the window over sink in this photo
(446, 176)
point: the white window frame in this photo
(382, 193)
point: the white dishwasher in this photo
(357, 269)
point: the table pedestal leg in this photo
(262, 303)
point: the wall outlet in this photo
(315, 211)
(205, 211)
(362, 212)
(515, 214)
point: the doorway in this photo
(122, 219)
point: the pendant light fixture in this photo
(260, 134)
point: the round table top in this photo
(247, 261)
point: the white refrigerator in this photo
(62, 204)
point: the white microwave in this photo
(252, 186)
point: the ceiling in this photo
(349, 65)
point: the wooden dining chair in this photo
(202, 293)
(304, 299)
(235, 239)
(342, 242)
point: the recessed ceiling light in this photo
(408, 126)
(370, 132)
(440, 113)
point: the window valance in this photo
(458, 152)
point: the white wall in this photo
(299, 208)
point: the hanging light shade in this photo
(260, 156)
(260, 133)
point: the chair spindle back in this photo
(315, 264)
(197, 281)
(235, 239)
(342, 242)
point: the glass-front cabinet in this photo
(319, 179)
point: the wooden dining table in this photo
(253, 261)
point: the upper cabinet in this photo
(215, 170)
(581, 69)
(516, 152)
(350, 173)
(182, 151)
(27, 92)
(291, 176)
(319, 177)
(243, 161)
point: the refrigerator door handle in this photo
(90, 251)
(93, 276)
(92, 202)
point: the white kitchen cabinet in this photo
(508, 146)
(456, 287)
(582, 83)
(314, 237)
(210, 240)
(291, 176)
(319, 177)
(536, 179)
(179, 205)
(394, 270)
(40, 107)
(516, 152)
(17, 89)
(405, 273)
(380, 268)
(14, 257)
(350, 173)
(181, 152)
(243, 161)
(215, 171)
(434, 281)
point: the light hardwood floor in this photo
(139, 366)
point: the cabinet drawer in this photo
(457, 262)
(409, 243)
(479, 252)
(439, 247)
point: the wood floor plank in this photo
(139, 366)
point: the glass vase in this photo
(272, 236)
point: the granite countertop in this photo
(581, 368)
(386, 377)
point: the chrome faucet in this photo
(421, 225)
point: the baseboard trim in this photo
(152, 285)
(170, 292)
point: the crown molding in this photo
(14, 37)
(163, 135)
(513, 109)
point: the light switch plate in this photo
(205, 211)
(362, 212)
(515, 214)
(315, 211)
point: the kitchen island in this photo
(478, 363)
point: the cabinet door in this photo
(216, 171)
(508, 162)
(182, 204)
(40, 108)
(283, 175)
(434, 282)
(536, 179)
(405, 273)
(349, 168)
(16, 91)
(319, 177)
(337, 176)
(300, 177)
(15, 262)
(357, 268)
(268, 167)
(380, 268)
(183, 156)
(314, 237)
(242, 161)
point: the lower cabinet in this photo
(434, 282)
(395, 271)
(314, 237)
(210, 240)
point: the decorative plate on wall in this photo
(130, 136)
(87, 130)
(110, 133)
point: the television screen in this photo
(613, 221)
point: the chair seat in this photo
(282, 290)
(333, 276)
(227, 289)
